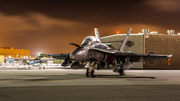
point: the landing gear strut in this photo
(121, 71)
(90, 70)
(89, 74)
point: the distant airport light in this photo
(170, 32)
(145, 31)
(154, 32)
(168, 61)
(118, 32)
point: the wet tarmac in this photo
(73, 85)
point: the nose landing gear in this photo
(90, 70)
(89, 73)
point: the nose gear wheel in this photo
(89, 73)
(90, 70)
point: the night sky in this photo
(47, 26)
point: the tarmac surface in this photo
(73, 85)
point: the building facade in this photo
(145, 43)
(11, 53)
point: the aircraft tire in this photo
(87, 72)
(121, 71)
(92, 73)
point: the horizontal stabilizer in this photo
(60, 56)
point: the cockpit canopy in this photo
(90, 40)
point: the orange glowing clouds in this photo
(28, 31)
(166, 5)
(19, 31)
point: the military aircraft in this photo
(99, 56)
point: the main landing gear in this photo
(90, 69)
(121, 71)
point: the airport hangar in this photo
(11, 55)
(150, 43)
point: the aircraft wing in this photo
(59, 56)
(134, 57)
(101, 50)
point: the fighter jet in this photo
(99, 56)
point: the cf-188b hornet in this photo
(99, 56)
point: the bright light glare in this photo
(118, 32)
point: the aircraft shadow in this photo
(46, 77)
(125, 76)
(24, 79)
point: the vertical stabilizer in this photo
(124, 41)
(96, 33)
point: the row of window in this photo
(18, 57)
(21, 51)
(15, 51)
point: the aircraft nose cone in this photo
(77, 56)
(72, 56)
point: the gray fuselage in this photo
(81, 53)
